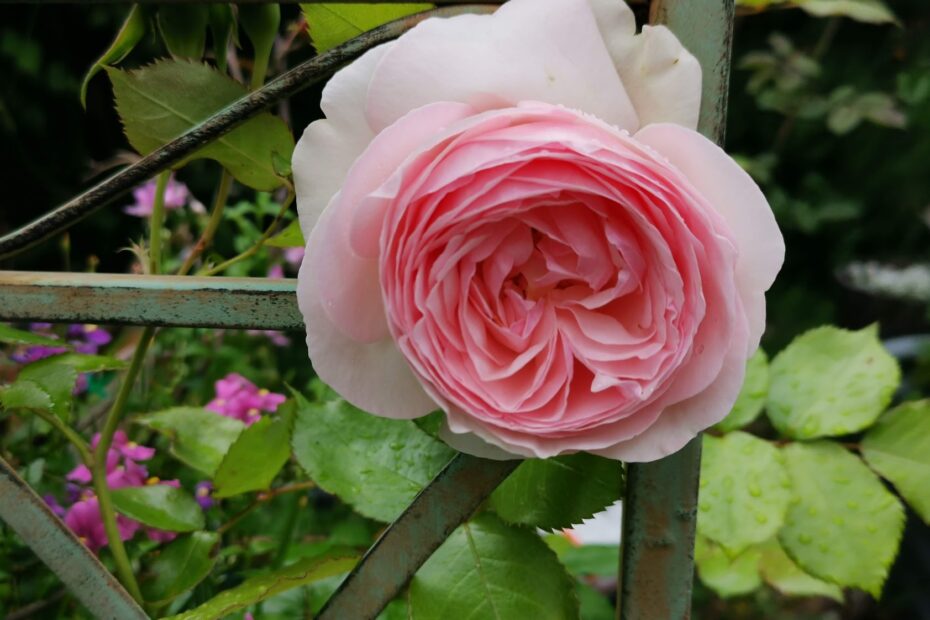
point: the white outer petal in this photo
(528, 50)
(330, 146)
(661, 77)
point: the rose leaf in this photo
(156, 105)
(898, 447)
(745, 491)
(493, 570)
(829, 382)
(751, 397)
(375, 464)
(558, 492)
(843, 525)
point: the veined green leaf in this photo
(375, 464)
(156, 105)
(898, 447)
(493, 570)
(333, 24)
(160, 506)
(745, 491)
(254, 458)
(830, 381)
(257, 589)
(751, 397)
(179, 566)
(199, 437)
(184, 29)
(558, 492)
(843, 525)
(10, 335)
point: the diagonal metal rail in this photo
(287, 84)
(60, 549)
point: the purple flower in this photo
(85, 521)
(239, 398)
(56, 508)
(36, 353)
(203, 492)
(294, 256)
(276, 272)
(176, 196)
(88, 338)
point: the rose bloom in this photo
(511, 218)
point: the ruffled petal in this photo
(541, 50)
(739, 200)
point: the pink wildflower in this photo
(176, 196)
(239, 398)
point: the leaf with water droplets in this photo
(780, 572)
(843, 526)
(725, 575)
(744, 491)
(751, 397)
(898, 447)
(831, 382)
(375, 464)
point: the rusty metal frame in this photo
(660, 504)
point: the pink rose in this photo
(512, 218)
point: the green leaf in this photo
(592, 604)
(257, 589)
(558, 492)
(88, 363)
(375, 464)
(179, 566)
(333, 24)
(184, 29)
(156, 106)
(493, 570)
(54, 378)
(751, 397)
(725, 575)
(780, 572)
(831, 381)
(870, 11)
(290, 237)
(160, 506)
(843, 525)
(255, 458)
(222, 25)
(199, 438)
(898, 447)
(25, 395)
(260, 23)
(745, 491)
(10, 335)
(597, 560)
(129, 35)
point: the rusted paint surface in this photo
(59, 548)
(174, 301)
(660, 507)
(300, 77)
(442, 506)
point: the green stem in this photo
(99, 469)
(287, 535)
(70, 434)
(157, 222)
(216, 216)
(258, 244)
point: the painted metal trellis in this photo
(660, 505)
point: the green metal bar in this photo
(300, 77)
(60, 549)
(660, 507)
(169, 301)
(447, 502)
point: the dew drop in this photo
(754, 489)
(805, 539)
